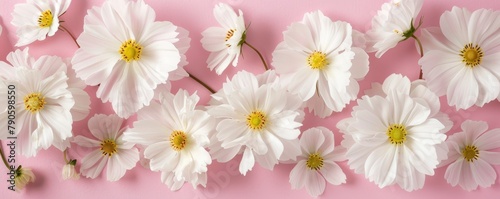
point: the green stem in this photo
(3, 156)
(64, 29)
(258, 53)
(64, 156)
(202, 83)
(421, 52)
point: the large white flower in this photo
(394, 139)
(462, 61)
(174, 135)
(43, 105)
(110, 149)
(35, 20)
(48, 66)
(471, 152)
(317, 60)
(392, 24)
(259, 119)
(125, 51)
(224, 43)
(317, 162)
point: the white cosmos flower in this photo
(317, 162)
(224, 43)
(23, 177)
(461, 61)
(35, 20)
(69, 172)
(392, 24)
(125, 51)
(395, 139)
(317, 61)
(472, 156)
(261, 120)
(110, 149)
(48, 66)
(174, 135)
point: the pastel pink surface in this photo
(268, 20)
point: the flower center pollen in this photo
(397, 134)
(45, 19)
(178, 140)
(317, 60)
(229, 34)
(471, 55)
(470, 153)
(130, 50)
(256, 120)
(108, 147)
(34, 102)
(314, 162)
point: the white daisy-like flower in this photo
(258, 119)
(48, 66)
(224, 43)
(110, 149)
(35, 20)
(43, 107)
(472, 156)
(317, 162)
(174, 134)
(128, 56)
(23, 177)
(392, 24)
(461, 61)
(317, 61)
(395, 139)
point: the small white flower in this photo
(23, 177)
(318, 62)
(392, 24)
(174, 135)
(35, 20)
(472, 155)
(258, 119)
(110, 148)
(460, 63)
(224, 43)
(394, 138)
(129, 57)
(69, 172)
(317, 162)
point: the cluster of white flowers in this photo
(396, 133)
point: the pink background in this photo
(268, 20)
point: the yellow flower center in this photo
(229, 34)
(471, 55)
(108, 147)
(470, 153)
(130, 50)
(45, 19)
(34, 102)
(315, 161)
(317, 60)
(397, 134)
(178, 140)
(256, 120)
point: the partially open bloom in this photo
(224, 43)
(317, 162)
(461, 59)
(317, 61)
(35, 20)
(174, 134)
(23, 177)
(472, 156)
(259, 118)
(128, 56)
(69, 172)
(393, 138)
(392, 24)
(110, 149)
